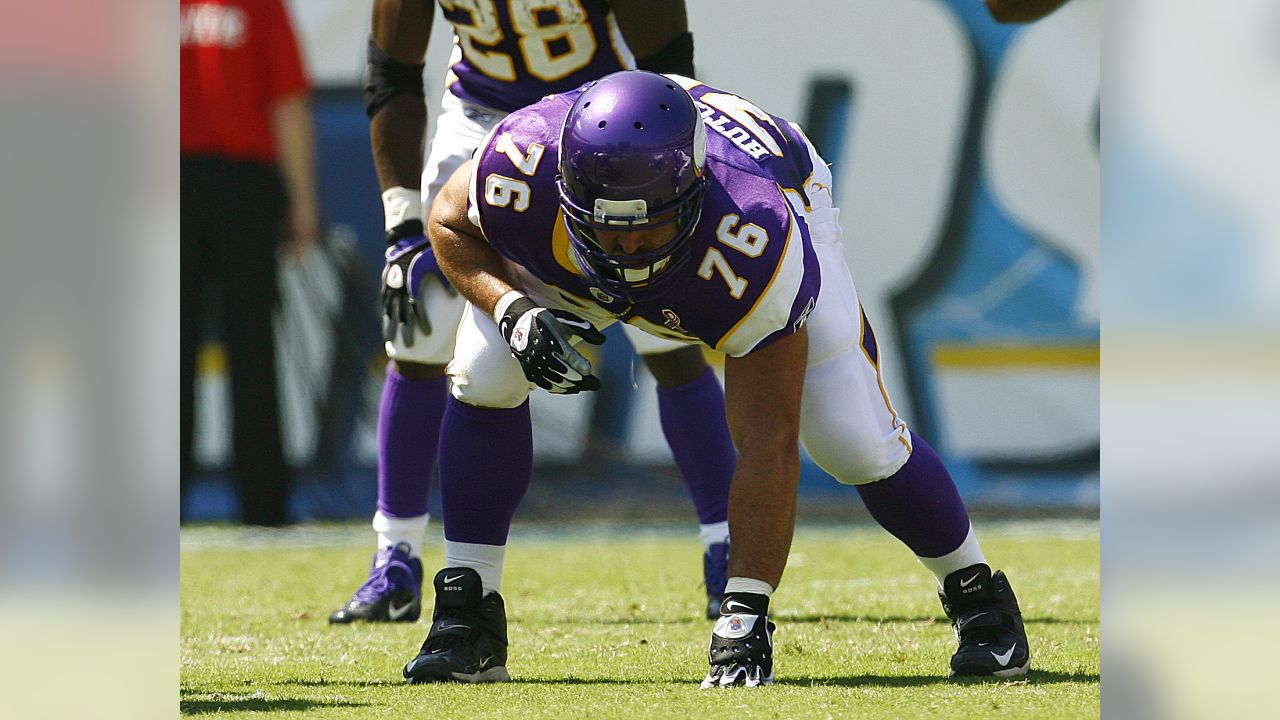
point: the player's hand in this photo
(741, 651)
(539, 339)
(409, 262)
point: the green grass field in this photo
(606, 623)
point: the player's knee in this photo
(859, 461)
(677, 367)
(489, 395)
(489, 384)
(416, 371)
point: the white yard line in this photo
(329, 535)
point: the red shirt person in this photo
(248, 182)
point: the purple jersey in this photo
(510, 53)
(753, 275)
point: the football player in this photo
(506, 55)
(692, 214)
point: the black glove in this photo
(741, 651)
(409, 261)
(539, 339)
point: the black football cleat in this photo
(392, 592)
(468, 637)
(715, 573)
(988, 624)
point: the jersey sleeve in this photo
(512, 194)
(473, 190)
(791, 294)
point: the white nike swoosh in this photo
(965, 583)
(969, 621)
(450, 627)
(1003, 659)
(731, 603)
(395, 613)
(448, 579)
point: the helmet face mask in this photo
(632, 153)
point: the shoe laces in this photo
(386, 577)
(984, 633)
(449, 641)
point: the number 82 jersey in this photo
(752, 277)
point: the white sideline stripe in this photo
(329, 535)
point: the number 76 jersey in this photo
(752, 276)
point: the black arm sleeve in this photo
(385, 78)
(676, 57)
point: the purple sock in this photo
(919, 504)
(486, 471)
(693, 422)
(408, 434)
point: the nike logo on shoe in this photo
(448, 579)
(729, 605)
(969, 620)
(1003, 659)
(395, 613)
(965, 583)
(450, 627)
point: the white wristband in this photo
(504, 302)
(748, 585)
(400, 204)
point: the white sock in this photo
(969, 553)
(484, 559)
(748, 585)
(393, 530)
(712, 533)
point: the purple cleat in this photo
(393, 592)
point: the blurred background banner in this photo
(965, 156)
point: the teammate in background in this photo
(1021, 11)
(506, 55)
(690, 213)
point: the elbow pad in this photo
(385, 78)
(676, 57)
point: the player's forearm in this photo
(397, 133)
(295, 138)
(762, 512)
(762, 405)
(394, 96)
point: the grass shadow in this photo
(341, 683)
(940, 619)
(798, 618)
(250, 704)
(1034, 677)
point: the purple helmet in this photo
(632, 152)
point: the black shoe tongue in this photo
(965, 587)
(745, 603)
(458, 588)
